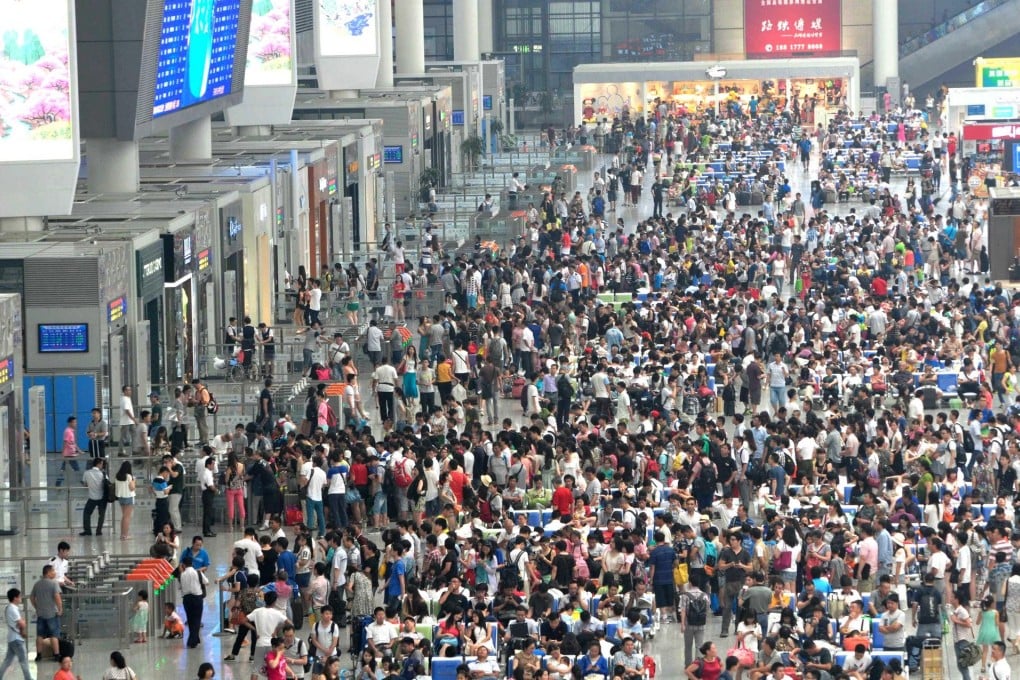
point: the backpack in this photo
(652, 468)
(212, 407)
(564, 388)
(331, 420)
(570, 644)
(697, 611)
(485, 510)
(707, 478)
(927, 608)
(510, 573)
(417, 488)
(401, 477)
(249, 600)
(968, 440)
(789, 464)
(711, 557)
(968, 654)
(756, 472)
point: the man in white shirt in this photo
(252, 551)
(193, 599)
(127, 421)
(384, 382)
(266, 621)
(335, 353)
(61, 564)
(380, 634)
(207, 482)
(999, 668)
(483, 668)
(313, 478)
(314, 302)
(373, 342)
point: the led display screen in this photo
(487, 102)
(269, 44)
(1011, 157)
(57, 338)
(197, 45)
(393, 154)
(458, 117)
(35, 81)
(347, 28)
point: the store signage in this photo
(717, 72)
(234, 228)
(152, 267)
(204, 257)
(414, 141)
(991, 131)
(975, 110)
(1004, 72)
(1003, 112)
(374, 161)
(458, 117)
(789, 28)
(116, 309)
(6, 370)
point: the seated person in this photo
(483, 667)
(380, 634)
(858, 664)
(593, 665)
(812, 656)
(631, 626)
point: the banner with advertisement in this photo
(775, 29)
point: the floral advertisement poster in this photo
(269, 44)
(348, 28)
(35, 81)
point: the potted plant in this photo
(472, 148)
(429, 178)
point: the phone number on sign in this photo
(797, 47)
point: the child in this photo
(276, 662)
(173, 627)
(140, 620)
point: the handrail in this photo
(948, 26)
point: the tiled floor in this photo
(167, 658)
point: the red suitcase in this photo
(517, 387)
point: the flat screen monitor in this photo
(193, 64)
(393, 154)
(347, 28)
(487, 102)
(458, 117)
(269, 44)
(1011, 155)
(63, 338)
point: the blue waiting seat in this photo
(947, 383)
(446, 668)
(877, 638)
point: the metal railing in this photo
(88, 612)
(948, 26)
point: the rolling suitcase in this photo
(517, 388)
(66, 649)
(297, 612)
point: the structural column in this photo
(885, 22)
(410, 27)
(112, 166)
(192, 141)
(485, 26)
(385, 77)
(465, 30)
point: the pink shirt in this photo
(70, 443)
(869, 554)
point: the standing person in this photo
(97, 432)
(660, 563)
(998, 669)
(265, 621)
(178, 416)
(49, 607)
(777, 374)
(963, 629)
(128, 422)
(235, 490)
(17, 629)
(201, 402)
(735, 565)
(161, 492)
(314, 479)
(95, 480)
(266, 408)
(248, 342)
(194, 599)
(119, 670)
(384, 381)
(155, 414)
(313, 338)
(207, 482)
(314, 302)
(124, 490)
(267, 341)
(176, 482)
(69, 452)
(490, 384)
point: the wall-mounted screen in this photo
(458, 117)
(347, 28)
(487, 102)
(35, 82)
(197, 50)
(393, 154)
(59, 338)
(269, 44)
(1011, 155)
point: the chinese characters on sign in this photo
(788, 28)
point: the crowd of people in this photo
(772, 423)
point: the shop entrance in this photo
(352, 193)
(153, 313)
(180, 307)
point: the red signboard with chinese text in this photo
(791, 28)
(982, 132)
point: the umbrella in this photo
(404, 334)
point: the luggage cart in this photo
(932, 663)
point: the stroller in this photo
(239, 367)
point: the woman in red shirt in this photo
(563, 497)
(708, 667)
(358, 476)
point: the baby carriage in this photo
(235, 368)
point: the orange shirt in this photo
(444, 372)
(582, 269)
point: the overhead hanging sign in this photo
(791, 28)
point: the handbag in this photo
(681, 574)
(744, 655)
(783, 561)
(850, 643)
(109, 490)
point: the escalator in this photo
(961, 39)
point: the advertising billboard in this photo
(36, 102)
(791, 28)
(997, 72)
(347, 28)
(270, 51)
(197, 49)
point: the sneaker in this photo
(229, 630)
(230, 657)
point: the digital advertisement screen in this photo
(458, 117)
(393, 154)
(347, 28)
(35, 81)
(269, 44)
(197, 44)
(1011, 157)
(780, 28)
(57, 338)
(487, 102)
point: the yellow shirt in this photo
(444, 372)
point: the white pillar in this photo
(17, 225)
(885, 22)
(192, 141)
(465, 30)
(485, 27)
(112, 166)
(385, 76)
(410, 27)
